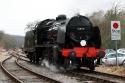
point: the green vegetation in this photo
(9, 41)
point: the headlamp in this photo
(83, 42)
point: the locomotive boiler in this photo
(65, 42)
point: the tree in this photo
(114, 13)
(1, 35)
(103, 20)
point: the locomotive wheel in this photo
(56, 58)
(53, 56)
(67, 64)
(34, 57)
(78, 64)
(98, 61)
(50, 56)
(50, 59)
(70, 64)
(37, 58)
(91, 65)
(29, 55)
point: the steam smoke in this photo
(52, 67)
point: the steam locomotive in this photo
(64, 42)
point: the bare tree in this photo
(103, 20)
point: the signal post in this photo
(115, 34)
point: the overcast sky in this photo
(15, 14)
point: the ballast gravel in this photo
(51, 72)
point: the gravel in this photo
(3, 56)
(51, 72)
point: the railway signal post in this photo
(115, 34)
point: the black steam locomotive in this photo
(64, 42)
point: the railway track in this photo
(4, 78)
(20, 74)
(21, 55)
(81, 81)
(96, 76)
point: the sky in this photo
(16, 14)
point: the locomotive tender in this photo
(64, 42)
